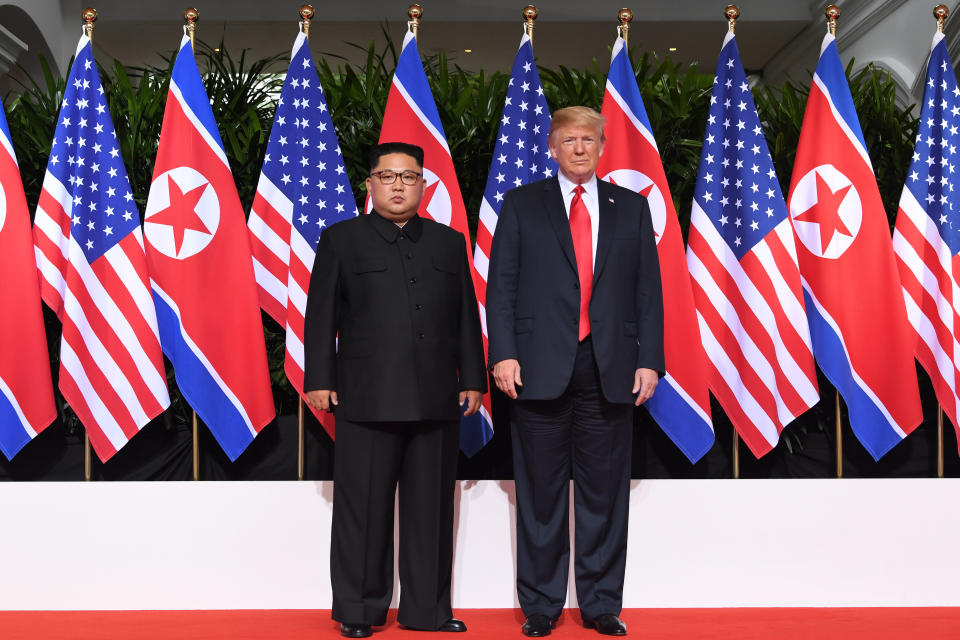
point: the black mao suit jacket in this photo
(533, 293)
(392, 323)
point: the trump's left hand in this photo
(644, 384)
(472, 398)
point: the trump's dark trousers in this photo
(583, 435)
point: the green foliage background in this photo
(244, 96)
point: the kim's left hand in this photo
(472, 398)
(644, 384)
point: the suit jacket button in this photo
(418, 307)
(576, 285)
(575, 320)
(420, 335)
(413, 281)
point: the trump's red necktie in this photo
(583, 248)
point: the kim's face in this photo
(395, 186)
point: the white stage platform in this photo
(693, 543)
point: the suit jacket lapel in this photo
(608, 226)
(557, 214)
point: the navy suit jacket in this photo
(533, 294)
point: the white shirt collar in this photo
(567, 185)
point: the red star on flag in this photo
(826, 212)
(181, 214)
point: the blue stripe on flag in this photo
(680, 421)
(868, 422)
(622, 78)
(186, 75)
(411, 75)
(475, 433)
(830, 70)
(13, 436)
(199, 388)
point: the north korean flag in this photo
(201, 269)
(855, 307)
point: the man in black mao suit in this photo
(575, 319)
(392, 340)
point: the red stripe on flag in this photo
(98, 440)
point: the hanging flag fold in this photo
(681, 403)
(926, 238)
(201, 271)
(26, 389)
(520, 156)
(89, 251)
(855, 306)
(303, 189)
(743, 264)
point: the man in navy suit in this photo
(575, 320)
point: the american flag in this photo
(303, 189)
(926, 237)
(519, 156)
(89, 250)
(742, 260)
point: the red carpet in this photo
(932, 623)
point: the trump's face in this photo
(577, 149)
(395, 186)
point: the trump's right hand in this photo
(321, 399)
(506, 374)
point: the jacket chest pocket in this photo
(444, 264)
(369, 264)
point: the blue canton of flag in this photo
(303, 155)
(520, 156)
(931, 175)
(736, 185)
(85, 158)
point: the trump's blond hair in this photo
(577, 116)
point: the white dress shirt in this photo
(590, 198)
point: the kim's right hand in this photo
(321, 399)
(506, 374)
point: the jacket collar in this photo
(389, 231)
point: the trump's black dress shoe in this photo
(451, 626)
(349, 630)
(607, 624)
(537, 626)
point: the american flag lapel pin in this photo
(610, 199)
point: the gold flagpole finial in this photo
(940, 12)
(832, 12)
(624, 16)
(529, 14)
(414, 12)
(89, 16)
(731, 13)
(306, 15)
(190, 17)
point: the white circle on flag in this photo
(3, 207)
(838, 224)
(436, 199)
(183, 225)
(640, 182)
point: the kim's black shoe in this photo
(348, 630)
(453, 625)
(607, 624)
(537, 626)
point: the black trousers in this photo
(371, 460)
(582, 434)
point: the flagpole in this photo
(625, 16)
(529, 14)
(190, 17)
(414, 12)
(306, 15)
(731, 13)
(832, 12)
(89, 16)
(940, 13)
